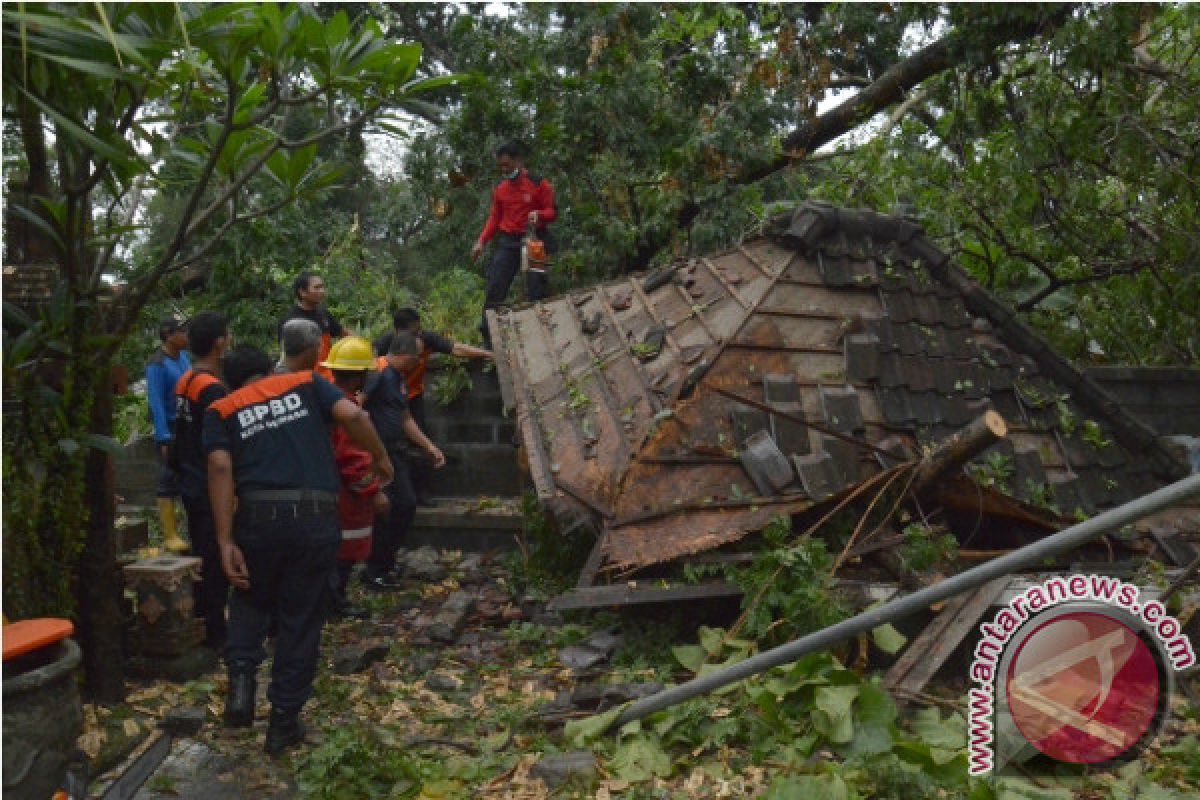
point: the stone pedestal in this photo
(165, 625)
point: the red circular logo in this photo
(1083, 687)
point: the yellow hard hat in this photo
(350, 353)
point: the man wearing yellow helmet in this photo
(359, 498)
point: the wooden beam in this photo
(630, 593)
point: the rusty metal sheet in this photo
(688, 532)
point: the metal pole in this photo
(1031, 554)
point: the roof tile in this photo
(841, 409)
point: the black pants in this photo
(506, 261)
(211, 593)
(421, 471)
(168, 476)
(391, 531)
(289, 560)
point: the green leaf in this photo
(808, 787)
(888, 639)
(711, 639)
(638, 759)
(114, 153)
(436, 82)
(581, 731)
(832, 717)
(874, 715)
(95, 68)
(929, 727)
(1022, 789)
(691, 656)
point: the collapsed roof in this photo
(659, 406)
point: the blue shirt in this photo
(162, 373)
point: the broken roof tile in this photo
(897, 450)
(791, 434)
(818, 474)
(746, 422)
(835, 269)
(845, 459)
(841, 409)
(778, 389)
(765, 464)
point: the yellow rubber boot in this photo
(171, 538)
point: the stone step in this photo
(479, 469)
(472, 524)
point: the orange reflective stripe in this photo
(415, 379)
(260, 391)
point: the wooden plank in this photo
(140, 768)
(587, 575)
(629, 594)
(926, 654)
(721, 279)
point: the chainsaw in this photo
(533, 253)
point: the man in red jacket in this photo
(359, 497)
(519, 201)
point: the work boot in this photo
(172, 541)
(284, 729)
(239, 703)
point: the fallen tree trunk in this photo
(950, 455)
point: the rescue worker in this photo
(409, 319)
(386, 400)
(208, 337)
(300, 341)
(163, 371)
(359, 498)
(309, 289)
(270, 456)
(520, 201)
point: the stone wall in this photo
(1165, 398)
